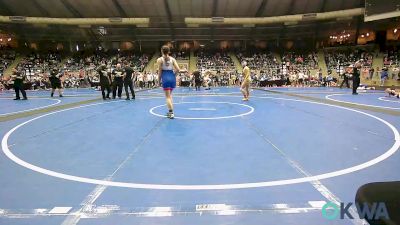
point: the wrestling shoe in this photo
(170, 115)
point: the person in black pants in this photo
(128, 81)
(55, 81)
(105, 81)
(118, 82)
(18, 79)
(197, 80)
(345, 79)
(356, 77)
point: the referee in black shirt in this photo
(105, 81)
(128, 81)
(356, 76)
(118, 82)
(18, 79)
(345, 76)
(197, 80)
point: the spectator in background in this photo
(356, 76)
(371, 73)
(395, 73)
(346, 76)
(55, 80)
(128, 81)
(384, 75)
(18, 79)
(105, 81)
(118, 83)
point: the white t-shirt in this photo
(149, 77)
(140, 77)
(167, 64)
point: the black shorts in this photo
(55, 85)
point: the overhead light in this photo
(115, 19)
(367, 34)
(9, 39)
(18, 18)
(395, 30)
(362, 35)
(202, 46)
(192, 25)
(1, 39)
(290, 23)
(249, 25)
(348, 35)
(84, 26)
(217, 19)
(344, 18)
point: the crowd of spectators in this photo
(6, 58)
(391, 57)
(259, 61)
(180, 55)
(337, 60)
(35, 63)
(391, 62)
(300, 61)
(214, 61)
(78, 70)
(292, 69)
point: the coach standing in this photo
(18, 79)
(128, 81)
(346, 77)
(118, 82)
(356, 77)
(105, 81)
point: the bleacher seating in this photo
(214, 61)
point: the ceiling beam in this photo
(261, 8)
(318, 23)
(289, 11)
(8, 11)
(76, 13)
(5, 8)
(259, 12)
(121, 11)
(290, 8)
(323, 6)
(42, 10)
(45, 13)
(214, 8)
(213, 14)
(169, 15)
(359, 22)
(71, 8)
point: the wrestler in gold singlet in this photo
(246, 82)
